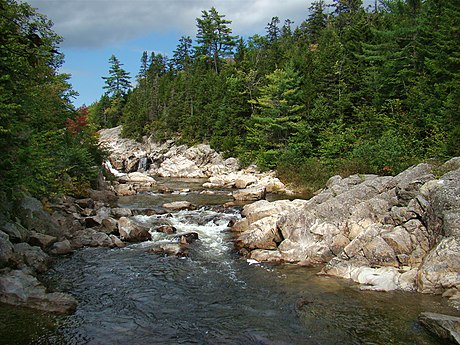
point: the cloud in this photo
(101, 23)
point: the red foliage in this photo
(77, 126)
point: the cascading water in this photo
(135, 295)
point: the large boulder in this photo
(383, 232)
(250, 194)
(16, 232)
(34, 218)
(32, 256)
(132, 231)
(19, 288)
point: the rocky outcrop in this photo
(18, 287)
(149, 158)
(444, 326)
(383, 232)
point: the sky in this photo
(93, 30)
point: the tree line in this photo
(47, 146)
(350, 89)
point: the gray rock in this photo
(61, 248)
(178, 205)
(32, 256)
(250, 194)
(6, 249)
(41, 240)
(132, 231)
(22, 289)
(16, 232)
(444, 326)
(34, 218)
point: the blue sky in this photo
(93, 30)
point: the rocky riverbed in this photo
(385, 233)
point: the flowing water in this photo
(134, 296)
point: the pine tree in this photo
(214, 37)
(182, 56)
(117, 83)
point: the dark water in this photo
(134, 296)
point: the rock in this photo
(6, 249)
(41, 240)
(245, 180)
(34, 218)
(125, 190)
(119, 212)
(32, 256)
(16, 232)
(444, 326)
(61, 248)
(85, 203)
(262, 234)
(137, 177)
(167, 229)
(262, 255)
(22, 289)
(187, 238)
(109, 225)
(117, 242)
(180, 167)
(168, 249)
(132, 231)
(178, 205)
(249, 194)
(106, 196)
(90, 238)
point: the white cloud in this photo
(93, 23)
(100, 23)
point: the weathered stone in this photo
(446, 327)
(119, 212)
(109, 225)
(117, 242)
(262, 255)
(34, 218)
(262, 234)
(32, 256)
(178, 205)
(132, 231)
(85, 203)
(244, 181)
(22, 289)
(249, 194)
(90, 238)
(167, 229)
(188, 238)
(16, 232)
(6, 249)
(41, 240)
(125, 190)
(61, 248)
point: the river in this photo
(134, 296)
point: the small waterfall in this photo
(110, 168)
(142, 167)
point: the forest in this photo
(47, 146)
(348, 90)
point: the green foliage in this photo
(35, 107)
(349, 90)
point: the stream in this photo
(134, 296)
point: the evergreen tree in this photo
(182, 56)
(214, 37)
(118, 82)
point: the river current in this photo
(134, 296)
